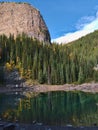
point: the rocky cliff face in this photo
(17, 18)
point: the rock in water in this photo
(18, 18)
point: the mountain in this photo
(18, 18)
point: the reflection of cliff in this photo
(58, 108)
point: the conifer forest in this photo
(76, 62)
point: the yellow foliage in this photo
(21, 71)
(18, 66)
(12, 63)
(6, 115)
(8, 66)
(17, 59)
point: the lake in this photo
(51, 108)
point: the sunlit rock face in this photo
(18, 18)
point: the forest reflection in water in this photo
(51, 108)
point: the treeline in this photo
(51, 63)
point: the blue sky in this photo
(64, 17)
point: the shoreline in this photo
(86, 87)
(40, 126)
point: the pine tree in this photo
(81, 76)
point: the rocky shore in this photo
(14, 83)
(38, 126)
(87, 87)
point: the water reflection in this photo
(52, 108)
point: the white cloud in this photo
(83, 21)
(83, 29)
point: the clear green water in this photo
(52, 108)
